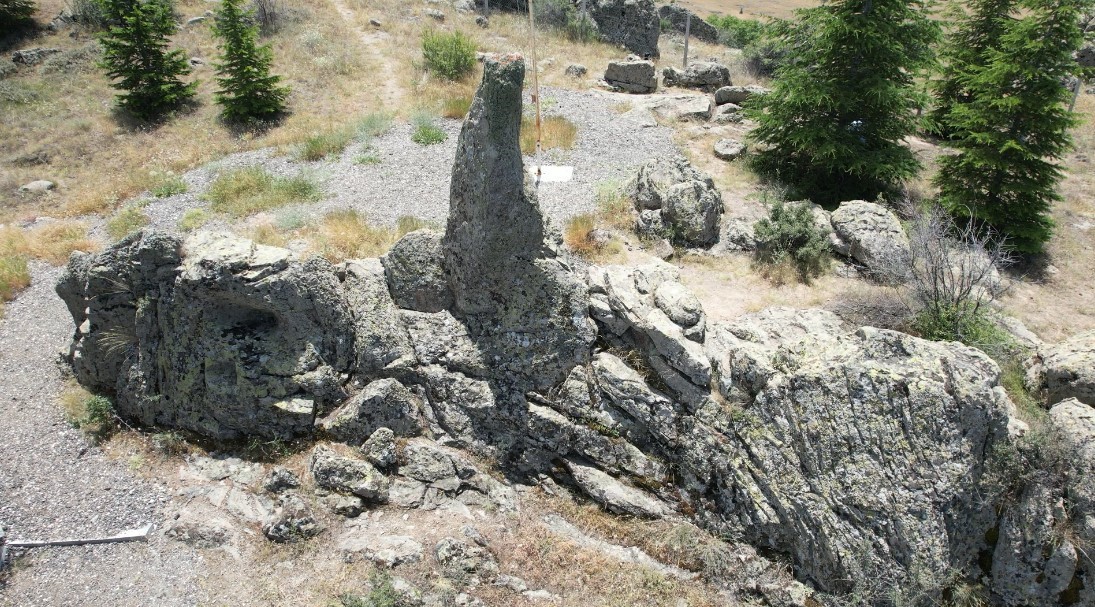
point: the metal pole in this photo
(687, 34)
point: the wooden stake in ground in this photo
(542, 173)
(687, 34)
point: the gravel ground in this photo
(55, 485)
(412, 179)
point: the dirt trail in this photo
(390, 93)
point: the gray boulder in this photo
(39, 186)
(614, 495)
(380, 448)
(457, 556)
(32, 56)
(686, 206)
(280, 479)
(677, 16)
(632, 76)
(872, 235)
(728, 113)
(233, 339)
(576, 70)
(814, 464)
(523, 306)
(1041, 555)
(293, 521)
(382, 403)
(343, 474)
(416, 278)
(1085, 57)
(738, 94)
(703, 75)
(729, 149)
(632, 24)
(1065, 370)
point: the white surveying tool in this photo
(542, 172)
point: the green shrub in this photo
(88, 13)
(426, 131)
(789, 236)
(127, 220)
(367, 157)
(247, 191)
(248, 91)
(375, 124)
(736, 32)
(449, 55)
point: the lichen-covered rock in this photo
(381, 340)
(729, 149)
(280, 479)
(873, 236)
(1065, 370)
(523, 306)
(1041, 553)
(293, 521)
(416, 278)
(738, 94)
(706, 76)
(636, 76)
(456, 555)
(632, 24)
(614, 495)
(857, 453)
(382, 403)
(343, 474)
(380, 448)
(678, 18)
(687, 206)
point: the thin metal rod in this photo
(133, 535)
(687, 34)
(535, 83)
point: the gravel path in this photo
(412, 179)
(55, 485)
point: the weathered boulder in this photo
(233, 339)
(614, 495)
(380, 448)
(280, 479)
(859, 453)
(415, 273)
(343, 474)
(381, 342)
(1065, 370)
(738, 94)
(1041, 551)
(523, 306)
(293, 521)
(677, 17)
(703, 75)
(33, 56)
(687, 207)
(38, 186)
(632, 24)
(371, 543)
(728, 113)
(458, 556)
(872, 235)
(382, 403)
(729, 149)
(632, 76)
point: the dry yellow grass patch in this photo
(556, 132)
(579, 236)
(52, 242)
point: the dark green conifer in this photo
(247, 89)
(14, 13)
(135, 56)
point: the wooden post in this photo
(1075, 93)
(687, 34)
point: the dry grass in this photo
(579, 235)
(556, 133)
(127, 220)
(98, 159)
(246, 191)
(53, 242)
(343, 235)
(749, 9)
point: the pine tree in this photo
(1014, 129)
(135, 55)
(978, 28)
(248, 90)
(832, 128)
(15, 12)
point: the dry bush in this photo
(246, 191)
(556, 132)
(583, 237)
(347, 234)
(871, 306)
(55, 241)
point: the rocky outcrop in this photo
(632, 24)
(524, 307)
(415, 273)
(1042, 551)
(872, 235)
(676, 201)
(678, 17)
(1065, 370)
(634, 76)
(703, 75)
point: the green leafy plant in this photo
(426, 131)
(736, 32)
(449, 55)
(135, 56)
(833, 128)
(168, 184)
(1013, 127)
(789, 237)
(193, 219)
(247, 89)
(325, 145)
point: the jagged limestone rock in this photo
(523, 305)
